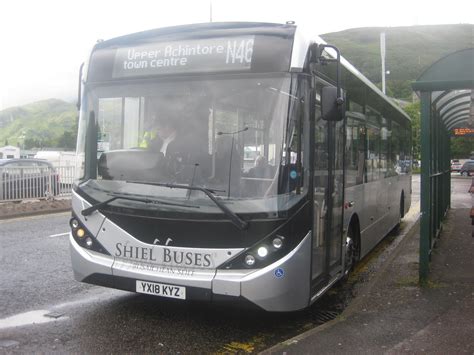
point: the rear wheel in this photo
(350, 257)
(464, 173)
(401, 213)
(402, 206)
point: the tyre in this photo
(402, 206)
(351, 253)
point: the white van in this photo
(64, 162)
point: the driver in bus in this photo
(181, 154)
(166, 137)
(161, 133)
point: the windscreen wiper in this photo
(89, 210)
(234, 218)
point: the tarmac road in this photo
(43, 309)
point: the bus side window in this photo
(390, 169)
(354, 152)
(373, 145)
(395, 148)
(384, 143)
(109, 121)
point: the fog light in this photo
(250, 260)
(89, 242)
(74, 223)
(277, 243)
(262, 252)
(81, 233)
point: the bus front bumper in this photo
(279, 287)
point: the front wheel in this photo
(464, 173)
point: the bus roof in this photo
(202, 30)
(192, 49)
(284, 49)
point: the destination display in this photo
(186, 56)
(148, 56)
(463, 132)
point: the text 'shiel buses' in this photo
(225, 162)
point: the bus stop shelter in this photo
(446, 93)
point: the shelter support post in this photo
(425, 232)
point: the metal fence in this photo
(32, 182)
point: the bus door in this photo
(328, 184)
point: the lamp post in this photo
(382, 54)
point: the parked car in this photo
(467, 168)
(27, 178)
(455, 165)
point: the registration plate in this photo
(163, 290)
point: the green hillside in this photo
(409, 51)
(48, 123)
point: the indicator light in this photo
(80, 233)
(277, 243)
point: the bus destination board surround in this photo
(246, 53)
(187, 56)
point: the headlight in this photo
(262, 252)
(84, 237)
(74, 223)
(89, 242)
(276, 244)
(270, 249)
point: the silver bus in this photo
(241, 162)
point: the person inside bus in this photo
(183, 157)
(261, 169)
(163, 131)
(258, 176)
(166, 140)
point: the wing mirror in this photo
(332, 104)
(332, 101)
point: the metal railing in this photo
(32, 182)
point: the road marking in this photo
(47, 215)
(27, 318)
(58, 235)
(45, 316)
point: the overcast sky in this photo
(43, 42)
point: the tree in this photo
(67, 140)
(30, 143)
(413, 110)
(461, 147)
(400, 89)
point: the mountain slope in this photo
(39, 124)
(409, 50)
